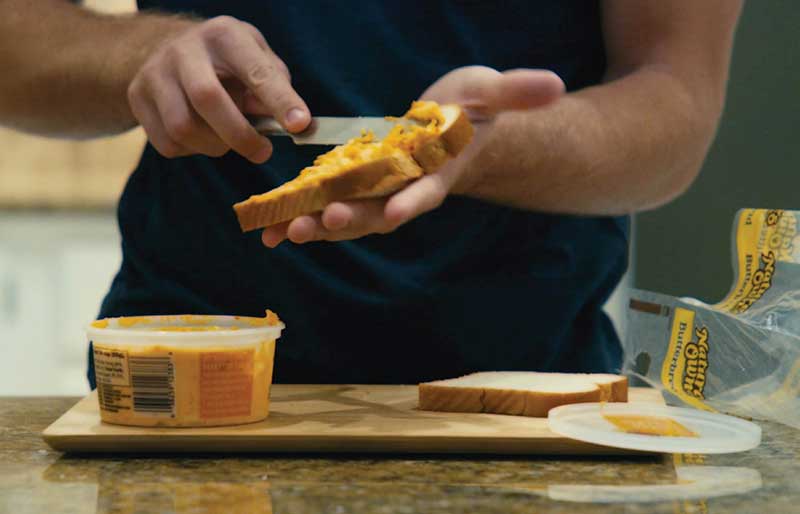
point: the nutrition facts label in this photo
(111, 366)
(142, 384)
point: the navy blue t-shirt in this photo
(471, 286)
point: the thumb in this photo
(486, 92)
(516, 90)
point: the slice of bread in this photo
(365, 168)
(522, 393)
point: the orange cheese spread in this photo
(212, 328)
(185, 322)
(648, 425)
(169, 379)
(271, 319)
(402, 140)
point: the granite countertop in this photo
(34, 478)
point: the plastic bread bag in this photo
(739, 356)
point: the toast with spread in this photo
(423, 139)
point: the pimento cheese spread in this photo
(184, 371)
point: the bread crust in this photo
(619, 390)
(438, 396)
(372, 179)
(614, 389)
(458, 134)
(465, 399)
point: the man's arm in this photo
(70, 72)
(67, 70)
(633, 142)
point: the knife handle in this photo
(268, 126)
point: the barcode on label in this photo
(153, 383)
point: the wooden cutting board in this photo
(332, 418)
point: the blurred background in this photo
(59, 244)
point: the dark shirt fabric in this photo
(471, 286)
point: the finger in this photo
(274, 235)
(355, 218)
(146, 113)
(304, 229)
(337, 216)
(525, 89)
(257, 36)
(267, 77)
(341, 221)
(210, 100)
(252, 105)
(180, 121)
(419, 197)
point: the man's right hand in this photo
(191, 92)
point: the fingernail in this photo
(267, 241)
(339, 224)
(295, 116)
(477, 112)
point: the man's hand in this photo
(191, 91)
(484, 93)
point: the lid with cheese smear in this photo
(654, 428)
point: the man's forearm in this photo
(634, 142)
(67, 70)
(629, 144)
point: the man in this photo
(501, 260)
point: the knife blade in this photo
(329, 130)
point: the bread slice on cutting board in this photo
(521, 393)
(364, 167)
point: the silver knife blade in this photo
(328, 130)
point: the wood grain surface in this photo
(332, 419)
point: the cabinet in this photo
(55, 268)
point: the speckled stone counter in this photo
(35, 479)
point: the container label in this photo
(142, 384)
(226, 384)
(153, 384)
(111, 366)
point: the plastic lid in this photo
(715, 433)
(166, 329)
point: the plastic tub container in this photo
(184, 370)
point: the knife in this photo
(329, 130)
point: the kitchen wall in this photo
(684, 248)
(55, 266)
(59, 249)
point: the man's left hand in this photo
(484, 93)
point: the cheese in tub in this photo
(184, 370)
